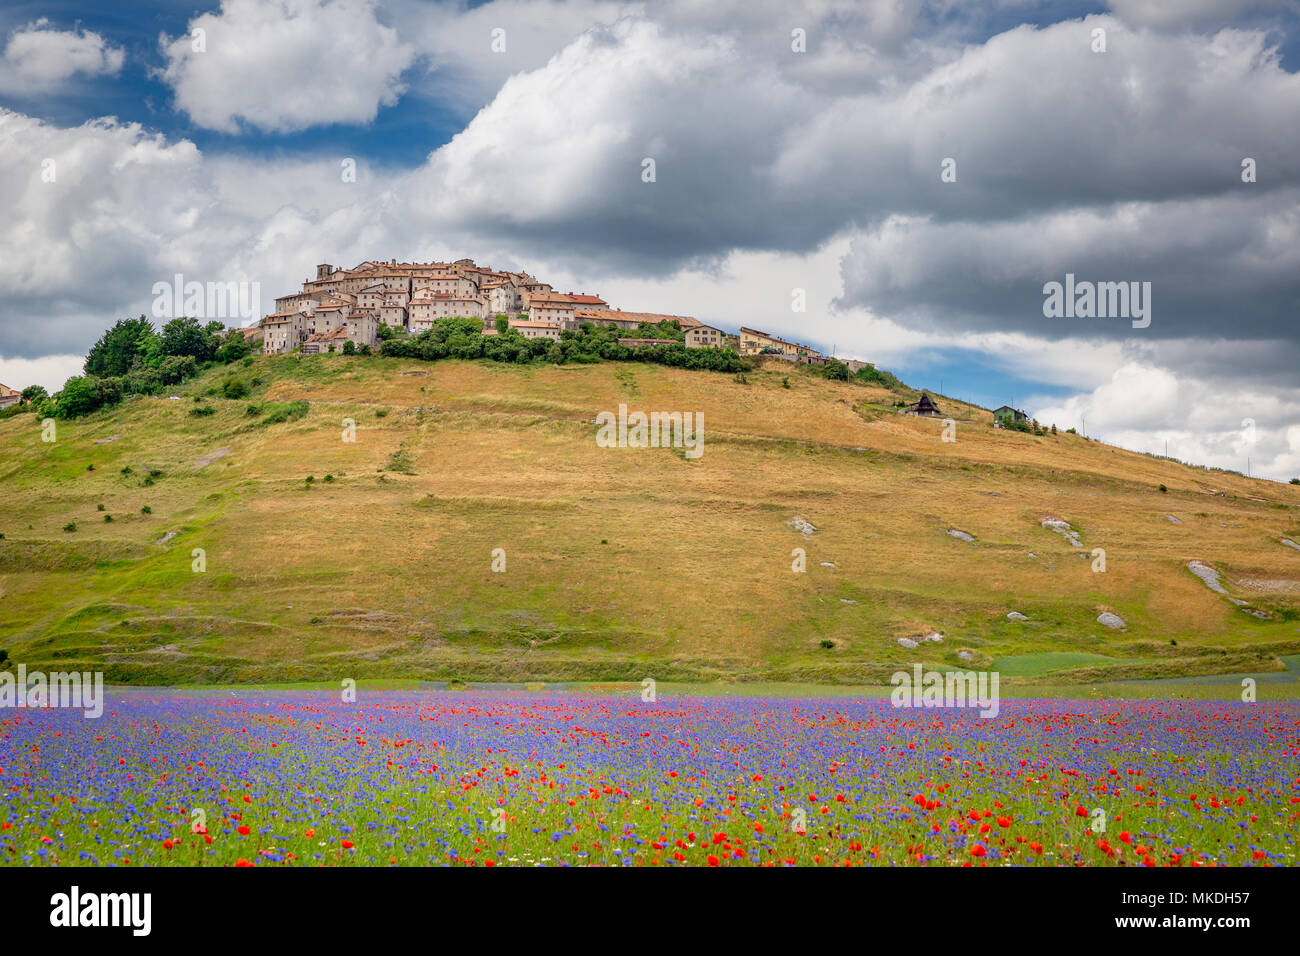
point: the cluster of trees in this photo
(867, 375)
(132, 358)
(463, 338)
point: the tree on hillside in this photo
(187, 337)
(119, 348)
(34, 393)
(836, 370)
(175, 369)
(80, 396)
(233, 346)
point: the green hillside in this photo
(325, 558)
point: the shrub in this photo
(401, 462)
(234, 388)
(836, 371)
(233, 349)
(871, 375)
(126, 470)
(285, 411)
(79, 396)
(70, 526)
(1295, 481)
(828, 645)
(1164, 490)
(202, 411)
(107, 518)
(146, 510)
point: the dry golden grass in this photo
(619, 561)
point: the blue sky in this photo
(778, 169)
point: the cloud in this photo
(1207, 421)
(97, 214)
(38, 57)
(558, 157)
(773, 170)
(468, 52)
(1162, 13)
(50, 371)
(750, 153)
(286, 65)
(1218, 264)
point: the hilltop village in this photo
(389, 305)
(364, 304)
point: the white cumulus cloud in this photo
(38, 57)
(286, 65)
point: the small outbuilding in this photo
(924, 406)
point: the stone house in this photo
(705, 336)
(536, 330)
(283, 332)
(559, 307)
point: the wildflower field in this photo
(281, 778)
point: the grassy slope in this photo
(622, 563)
